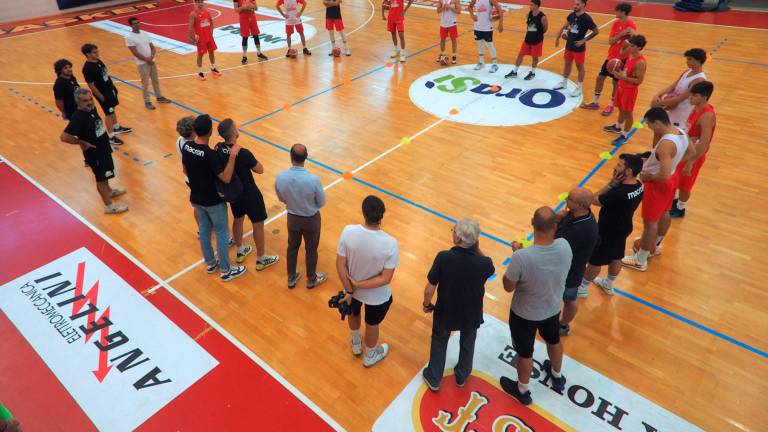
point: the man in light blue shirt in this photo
(303, 196)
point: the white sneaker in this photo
(654, 253)
(376, 355)
(605, 284)
(402, 56)
(632, 261)
(582, 292)
(357, 345)
(494, 68)
(576, 92)
(115, 208)
(116, 193)
(559, 86)
(478, 66)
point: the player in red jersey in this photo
(396, 24)
(621, 30)
(659, 177)
(630, 78)
(701, 130)
(200, 32)
(249, 26)
(291, 11)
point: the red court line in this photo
(235, 395)
(736, 18)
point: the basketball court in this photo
(111, 322)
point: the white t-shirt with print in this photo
(368, 253)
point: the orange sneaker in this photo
(215, 73)
(201, 76)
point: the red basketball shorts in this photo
(657, 198)
(290, 27)
(531, 50)
(334, 24)
(577, 57)
(248, 25)
(206, 45)
(395, 25)
(687, 182)
(449, 32)
(626, 98)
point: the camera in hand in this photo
(336, 302)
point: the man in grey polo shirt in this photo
(303, 196)
(537, 277)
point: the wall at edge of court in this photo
(14, 10)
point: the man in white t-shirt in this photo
(366, 261)
(142, 48)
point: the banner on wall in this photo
(69, 4)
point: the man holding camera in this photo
(366, 262)
(458, 275)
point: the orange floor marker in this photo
(389, 64)
(495, 88)
(347, 175)
(287, 107)
(454, 111)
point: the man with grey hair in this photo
(458, 275)
(578, 226)
(86, 129)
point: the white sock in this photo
(642, 256)
(681, 205)
(533, 70)
(514, 69)
(659, 239)
(213, 67)
(200, 70)
(333, 39)
(612, 279)
(597, 98)
(356, 334)
(556, 374)
(618, 125)
(522, 387)
(116, 126)
(578, 86)
(111, 135)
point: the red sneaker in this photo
(607, 111)
(215, 73)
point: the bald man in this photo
(578, 226)
(537, 275)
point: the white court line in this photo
(256, 359)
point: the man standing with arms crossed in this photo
(200, 32)
(533, 44)
(629, 79)
(249, 26)
(97, 77)
(578, 23)
(144, 50)
(537, 276)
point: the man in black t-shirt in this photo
(333, 21)
(575, 29)
(250, 202)
(618, 201)
(98, 79)
(203, 168)
(86, 129)
(536, 25)
(64, 88)
(578, 226)
(458, 275)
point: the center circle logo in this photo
(464, 95)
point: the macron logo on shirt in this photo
(197, 152)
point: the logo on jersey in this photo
(486, 99)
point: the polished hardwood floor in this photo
(709, 271)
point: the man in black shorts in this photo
(537, 274)
(86, 129)
(250, 202)
(64, 88)
(618, 201)
(98, 79)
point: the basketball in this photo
(636, 247)
(444, 60)
(292, 53)
(613, 65)
(385, 5)
(564, 34)
(336, 52)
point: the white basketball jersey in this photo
(447, 17)
(679, 114)
(652, 165)
(483, 13)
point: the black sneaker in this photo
(211, 268)
(123, 129)
(612, 129)
(431, 386)
(292, 280)
(116, 141)
(164, 100)
(558, 384)
(460, 381)
(320, 277)
(233, 273)
(306, 51)
(676, 212)
(511, 74)
(244, 60)
(565, 330)
(510, 386)
(262, 56)
(530, 76)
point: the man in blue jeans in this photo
(203, 167)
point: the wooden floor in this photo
(709, 272)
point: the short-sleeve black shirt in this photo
(243, 164)
(460, 276)
(535, 28)
(582, 235)
(203, 166)
(64, 90)
(88, 126)
(96, 73)
(618, 206)
(578, 26)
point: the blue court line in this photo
(363, 75)
(492, 237)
